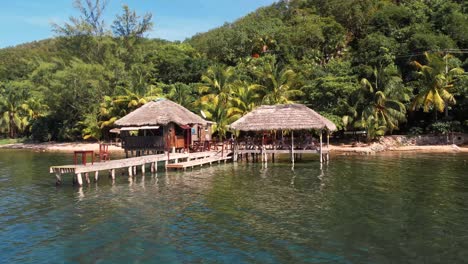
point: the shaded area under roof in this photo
(282, 117)
(160, 112)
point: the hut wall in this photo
(142, 140)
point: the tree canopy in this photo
(377, 65)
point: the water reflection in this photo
(355, 209)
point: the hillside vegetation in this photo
(375, 65)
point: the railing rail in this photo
(148, 142)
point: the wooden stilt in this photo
(134, 170)
(87, 178)
(321, 146)
(328, 146)
(292, 147)
(96, 176)
(79, 179)
(58, 179)
(113, 174)
(143, 169)
(130, 171)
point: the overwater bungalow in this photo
(274, 127)
(161, 125)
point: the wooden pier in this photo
(171, 160)
(263, 154)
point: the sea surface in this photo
(386, 208)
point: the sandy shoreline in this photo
(428, 149)
(72, 146)
(60, 147)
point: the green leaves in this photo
(435, 81)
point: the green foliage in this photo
(128, 25)
(435, 82)
(357, 62)
(40, 130)
(440, 128)
(415, 131)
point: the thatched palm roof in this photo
(282, 117)
(160, 112)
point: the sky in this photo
(29, 20)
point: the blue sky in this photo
(28, 20)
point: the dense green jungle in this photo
(376, 65)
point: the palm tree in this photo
(435, 82)
(217, 81)
(182, 94)
(245, 96)
(220, 113)
(384, 99)
(216, 97)
(279, 85)
(115, 107)
(14, 109)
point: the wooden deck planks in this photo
(280, 151)
(130, 162)
(197, 162)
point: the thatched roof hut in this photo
(283, 117)
(160, 112)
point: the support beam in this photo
(292, 147)
(58, 176)
(79, 179)
(113, 174)
(321, 146)
(96, 176)
(130, 171)
(328, 146)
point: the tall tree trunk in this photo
(446, 110)
(11, 126)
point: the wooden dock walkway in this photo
(173, 160)
(198, 162)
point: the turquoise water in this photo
(389, 208)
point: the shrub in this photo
(415, 131)
(40, 130)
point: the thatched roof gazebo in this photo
(283, 117)
(289, 117)
(160, 112)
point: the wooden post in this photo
(59, 178)
(79, 179)
(328, 145)
(143, 168)
(96, 176)
(130, 171)
(134, 170)
(292, 146)
(321, 145)
(113, 174)
(87, 177)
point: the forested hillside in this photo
(376, 65)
